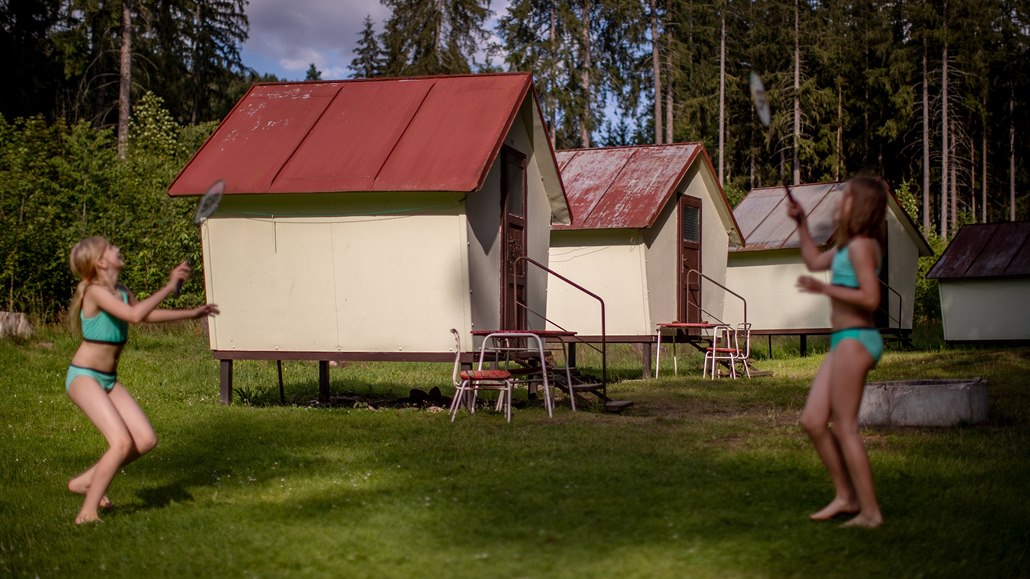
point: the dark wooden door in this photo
(513, 239)
(690, 259)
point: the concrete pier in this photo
(924, 402)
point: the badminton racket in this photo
(761, 101)
(206, 208)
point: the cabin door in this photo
(513, 239)
(689, 309)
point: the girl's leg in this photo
(143, 438)
(849, 374)
(815, 419)
(87, 394)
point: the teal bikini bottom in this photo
(106, 380)
(869, 338)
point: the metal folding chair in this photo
(467, 383)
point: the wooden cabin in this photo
(363, 219)
(984, 282)
(643, 217)
(765, 270)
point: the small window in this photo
(691, 224)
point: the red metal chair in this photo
(467, 383)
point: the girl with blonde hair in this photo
(855, 345)
(105, 308)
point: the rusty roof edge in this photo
(203, 146)
(722, 193)
(509, 122)
(656, 211)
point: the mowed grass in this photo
(697, 479)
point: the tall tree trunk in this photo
(972, 179)
(927, 220)
(797, 92)
(668, 97)
(1012, 158)
(722, 96)
(584, 77)
(551, 98)
(657, 66)
(839, 163)
(983, 179)
(953, 164)
(945, 148)
(125, 80)
(953, 181)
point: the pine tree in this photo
(439, 37)
(368, 55)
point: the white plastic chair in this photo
(724, 347)
(733, 345)
(743, 344)
(470, 382)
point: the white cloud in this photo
(287, 36)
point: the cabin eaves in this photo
(982, 251)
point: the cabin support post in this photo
(225, 380)
(323, 381)
(646, 359)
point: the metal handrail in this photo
(900, 303)
(604, 344)
(726, 289)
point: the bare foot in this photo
(836, 507)
(85, 519)
(81, 488)
(865, 522)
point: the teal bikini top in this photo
(843, 271)
(104, 328)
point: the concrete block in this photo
(924, 402)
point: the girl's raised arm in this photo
(137, 311)
(814, 259)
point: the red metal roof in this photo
(625, 187)
(397, 134)
(988, 250)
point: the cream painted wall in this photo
(904, 267)
(341, 280)
(609, 264)
(986, 309)
(484, 251)
(661, 259)
(767, 281)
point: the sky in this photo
(287, 36)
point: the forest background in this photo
(106, 100)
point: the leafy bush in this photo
(60, 183)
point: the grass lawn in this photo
(697, 479)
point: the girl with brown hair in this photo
(855, 345)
